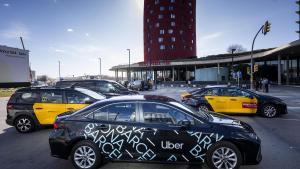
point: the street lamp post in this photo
(100, 74)
(59, 76)
(251, 68)
(129, 73)
(232, 51)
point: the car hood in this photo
(225, 120)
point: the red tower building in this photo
(169, 30)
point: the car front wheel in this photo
(269, 111)
(86, 155)
(223, 155)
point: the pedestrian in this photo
(267, 85)
(256, 84)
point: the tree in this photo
(236, 48)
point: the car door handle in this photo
(101, 127)
(38, 108)
(233, 99)
(147, 130)
(210, 98)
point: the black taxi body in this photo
(108, 88)
(233, 100)
(32, 107)
(146, 128)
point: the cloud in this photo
(6, 4)
(59, 50)
(15, 30)
(139, 4)
(70, 30)
(212, 36)
(87, 34)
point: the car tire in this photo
(24, 124)
(86, 155)
(222, 154)
(269, 111)
(204, 107)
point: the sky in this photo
(78, 32)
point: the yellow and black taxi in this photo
(233, 100)
(30, 107)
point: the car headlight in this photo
(252, 135)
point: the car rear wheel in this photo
(269, 111)
(24, 124)
(204, 107)
(223, 155)
(86, 155)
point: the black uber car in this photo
(108, 88)
(146, 128)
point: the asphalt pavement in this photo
(280, 139)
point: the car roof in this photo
(46, 88)
(87, 80)
(154, 98)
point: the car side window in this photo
(211, 92)
(124, 112)
(158, 113)
(236, 93)
(77, 98)
(27, 97)
(51, 97)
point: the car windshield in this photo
(118, 86)
(91, 93)
(190, 109)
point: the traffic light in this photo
(267, 27)
(255, 68)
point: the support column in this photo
(122, 76)
(173, 74)
(195, 69)
(117, 75)
(178, 72)
(298, 68)
(279, 70)
(186, 73)
(218, 73)
(287, 70)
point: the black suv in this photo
(108, 88)
(146, 128)
(30, 107)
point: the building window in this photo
(173, 39)
(181, 32)
(190, 26)
(148, 50)
(162, 8)
(160, 16)
(161, 31)
(151, 41)
(170, 31)
(191, 48)
(190, 3)
(192, 41)
(192, 20)
(151, 11)
(172, 1)
(173, 24)
(160, 40)
(173, 16)
(157, 25)
(191, 12)
(156, 2)
(172, 47)
(162, 47)
(148, 20)
(171, 8)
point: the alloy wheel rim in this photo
(84, 157)
(203, 108)
(270, 111)
(224, 158)
(24, 124)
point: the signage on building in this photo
(155, 63)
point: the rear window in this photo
(29, 97)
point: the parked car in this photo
(139, 85)
(106, 87)
(233, 100)
(29, 108)
(152, 129)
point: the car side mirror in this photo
(185, 124)
(251, 97)
(89, 102)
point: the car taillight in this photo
(10, 106)
(57, 125)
